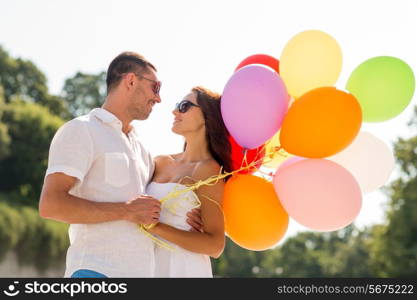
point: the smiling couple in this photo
(103, 182)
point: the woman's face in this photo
(191, 119)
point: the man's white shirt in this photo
(110, 167)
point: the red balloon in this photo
(262, 59)
(238, 153)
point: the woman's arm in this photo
(212, 240)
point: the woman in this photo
(206, 153)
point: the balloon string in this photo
(258, 159)
(244, 160)
(157, 241)
(215, 202)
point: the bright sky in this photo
(201, 42)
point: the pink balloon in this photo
(253, 105)
(319, 194)
(289, 162)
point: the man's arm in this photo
(56, 203)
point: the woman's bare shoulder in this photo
(207, 169)
(164, 158)
(213, 191)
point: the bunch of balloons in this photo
(288, 115)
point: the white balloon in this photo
(369, 160)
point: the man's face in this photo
(144, 95)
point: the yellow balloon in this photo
(310, 59)
(276, 155)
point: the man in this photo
(97, 174)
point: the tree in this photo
(31, 128)
(297, 257)
(352, 257)
(236, 262)
(37, 242)
(84, 92)
(4, 135)
(342, 253)
(21, 78)
(395, 248)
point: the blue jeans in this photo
(83, 273)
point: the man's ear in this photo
(129, 80)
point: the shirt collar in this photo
(107, 117)
(104, 115)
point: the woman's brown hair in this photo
(216, 133)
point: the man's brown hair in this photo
(126, 62)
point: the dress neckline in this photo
(167, 183)
(175, 184)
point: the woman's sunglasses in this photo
(184, 106)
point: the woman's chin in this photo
(175, 130)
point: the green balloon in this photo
(383, 86)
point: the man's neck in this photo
(126, 127)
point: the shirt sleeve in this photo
(71, 150)
(151, 167)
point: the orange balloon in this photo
(321, 123)
(254, 216)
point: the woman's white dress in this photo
(177, 262)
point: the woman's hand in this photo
(194, 219)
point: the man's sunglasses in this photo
(184, 106)
(156, 87)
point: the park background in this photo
(53, 55)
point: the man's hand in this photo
(194, 219)
(143, 210)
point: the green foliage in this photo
(31, 128)
(57, 106)
(9, 219)
(4, 141)
(37, 242)
(297, 257)
(21, 78)
(235, 262)
(4, 135)
(395, 248)
(84, 92)
(352, 259)
(343, 253)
